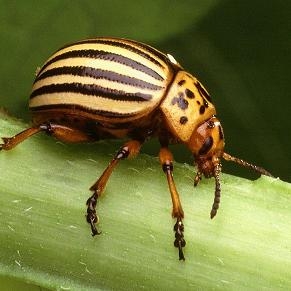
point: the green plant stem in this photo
(46, 241)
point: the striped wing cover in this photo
(104, 76)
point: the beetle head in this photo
(207, 145)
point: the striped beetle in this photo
(113, 88)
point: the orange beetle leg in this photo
(166, 160)
(129, 149)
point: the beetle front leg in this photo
(166, 159)
(129, 149)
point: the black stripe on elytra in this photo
(133, 48)
(91, 89)
(97, 74)
(153, 51)
(75, 108)
(103, 55)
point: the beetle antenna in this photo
(243, 163)
(215, 206)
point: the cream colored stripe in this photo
(153, 55)
(92, 102)
(61, 79)
(121, 51)
(107, 65)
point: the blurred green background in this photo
(240, 50)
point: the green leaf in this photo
(46, 241)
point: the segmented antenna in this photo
(243, 163)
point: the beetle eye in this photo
(206, 146)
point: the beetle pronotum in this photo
(113, 88)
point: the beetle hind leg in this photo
(61, 132)
(67, 133)
(129, 149)
(11, 142)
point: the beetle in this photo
(114, 88)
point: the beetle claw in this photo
(4, 144)
(179, 238)
(91, 216)
(93, 227)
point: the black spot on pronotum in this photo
(202, 109)
(189, 93)
(206, 146)
(182, 82)
(183, 119)
(180, 101)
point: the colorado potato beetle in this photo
(114, 88)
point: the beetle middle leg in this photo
(129, 149)
(166, 159)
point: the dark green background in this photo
(240, 50)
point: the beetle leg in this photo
(61, 132)
(166, 159)
(129, 149)
(11, 142)
(67, 133)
